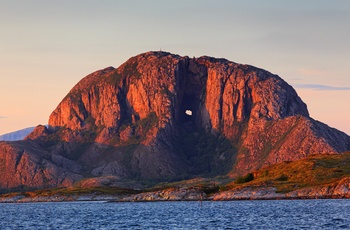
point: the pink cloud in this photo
(320, 87)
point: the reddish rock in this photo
(39, 132)
(26, 165)
(130, 122)
(339, 189)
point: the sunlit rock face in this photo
(162, 116)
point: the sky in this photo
(46, 47)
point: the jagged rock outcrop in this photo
(40, 131)
(26, 165)
(131, 122)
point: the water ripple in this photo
(278, 214)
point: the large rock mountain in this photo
(162, 117)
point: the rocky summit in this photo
(163, 117)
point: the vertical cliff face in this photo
(161, 115)
(144, 103)
(235, 93)
(219, 93)
(112, 99)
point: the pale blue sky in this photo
(46, 47)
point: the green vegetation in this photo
(14, 191)
(207, 185)
(316, 170)
(313, 171)
(94, 190)
(73, 192)
(244, 179)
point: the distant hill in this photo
(16, 135)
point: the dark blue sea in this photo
(271, 214)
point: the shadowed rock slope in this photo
(131, 123)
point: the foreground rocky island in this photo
(161, 119)
(316, 177)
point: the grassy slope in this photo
(316, 170)
(73, 192)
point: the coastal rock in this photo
(340, 189)
(58, 198)
(171, 194)
(248, 193)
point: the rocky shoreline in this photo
(334, 191)
(24, 199)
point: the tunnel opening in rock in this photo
(188, 112)
(188, 115)
(188, 109)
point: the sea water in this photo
(270, 214)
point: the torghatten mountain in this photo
(163, 117)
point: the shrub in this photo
(282, 178)
(244, 179)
